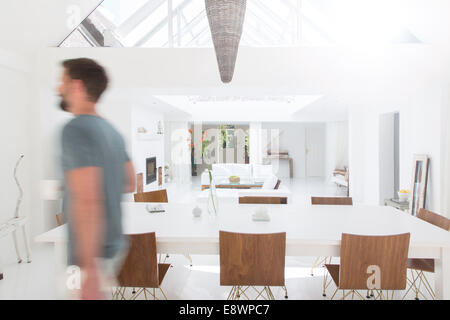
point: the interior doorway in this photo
(389, 164)
(315, 141)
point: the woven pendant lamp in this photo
(226, 18)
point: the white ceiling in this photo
(31, 24)
(318, 78)
(244, 108)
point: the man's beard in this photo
(63, 105)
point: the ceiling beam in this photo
(161, 24)
(138, 17)
(191, 24)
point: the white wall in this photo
(14, 133)
(177, 151)
(386, 157)
(336, 146)
(143, 116)
(291, 138)
(363, 156)
(445, 146)
(29, 24)
(255, 142)
(420, 133)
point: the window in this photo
(184, 24)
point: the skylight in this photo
(268, 23)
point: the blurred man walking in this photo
(97, 171)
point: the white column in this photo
(255, 141)
(445, 151)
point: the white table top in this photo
(316, 225)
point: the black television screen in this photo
(151, 170)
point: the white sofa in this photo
(222, 171)
(257, 173)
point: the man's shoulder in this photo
(83, 123)
(89, 127)
(75, 123)
(78, 129)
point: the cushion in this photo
(232, 169)
(262, 170)
(240, 170)
(270, 182)
(220, 170)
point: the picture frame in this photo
(419, 183)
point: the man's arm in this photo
(86, 214)
(130, 178)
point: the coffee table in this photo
(243, 184)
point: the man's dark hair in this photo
(90, 73)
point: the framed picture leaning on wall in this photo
(419, 183)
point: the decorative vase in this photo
(213, 204)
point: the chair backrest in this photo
(152, 196)
(278, 184)
(434, 218)
(363, 257)
(252, 259)
(263, 200)
(346, 201)
(140, 268)
(140, 183)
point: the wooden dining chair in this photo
(262, 200)
(375, 263)
(152, 196)
(140, 270)
(277, 186)
(320, 261)
(417, 267)
(346, 201)
(157, 196)
(252, 260)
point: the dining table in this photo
(310, 230)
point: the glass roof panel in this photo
(183, 23)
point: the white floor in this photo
(36, 280)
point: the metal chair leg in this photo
(428, 287)
(162, 291)
(25, 240)
(325, 278)
(285, 293)
(14, 235)
(335, 291)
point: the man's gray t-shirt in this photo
(90, 141)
